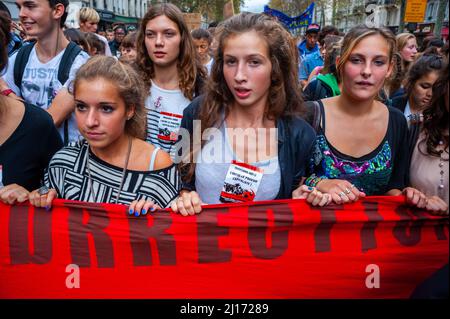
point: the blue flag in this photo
(292, 23)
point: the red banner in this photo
(376, 248)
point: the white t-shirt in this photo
(165, 111)
(209, 66)
(40, 83)
(407, 111)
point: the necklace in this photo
(441, 167)
(91, 188)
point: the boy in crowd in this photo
(40, 73)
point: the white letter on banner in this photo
(373, 280)
(73, 280)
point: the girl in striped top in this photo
(113, 163)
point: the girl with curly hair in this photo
(255, 144)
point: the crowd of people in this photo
(163, 116)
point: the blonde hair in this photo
(128, 84)
(88, 14)
(356, 35)
(402, 40)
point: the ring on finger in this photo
(341, 194)
(43, 190)
(347, 191)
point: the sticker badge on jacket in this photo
(241, 183)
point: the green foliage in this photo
(211, 9)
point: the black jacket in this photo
(399, 102)
(317, 90)
(296, 141)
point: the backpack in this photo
(314, 114)
(71, 52)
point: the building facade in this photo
(128, 12)
(386, 13)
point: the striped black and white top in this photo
(68, 174)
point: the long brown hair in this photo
(401, 66)
(284, 101)
(189, 68)
(425, 64)
(435, 125)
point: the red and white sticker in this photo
(168, 126)
(241, 183)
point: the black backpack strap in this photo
(318, 111)
(72, 51)
(313, 116)
(21, 62)
(318, 90)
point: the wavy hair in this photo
(189, 67)
(424, 65)
(435, 126)
(284, 98)
(128, 85)
(402, 66)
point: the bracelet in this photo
(313, 180)
(6, 92)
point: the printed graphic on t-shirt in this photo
(241, 183)
(40, 86)
(164, 115)
(168, 126)
(40, 83)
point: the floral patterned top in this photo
(376, 173)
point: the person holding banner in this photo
(361, 147)
(113, 163)
(28, 137)
(171, 72)
(429, 170)
(255, 145)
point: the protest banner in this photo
(375, 248)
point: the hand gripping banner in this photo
(375, 248)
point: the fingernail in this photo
(131, 212)
(310, 188)
(152, 209)
(143, 212)
(47, 208)
(136, 213)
